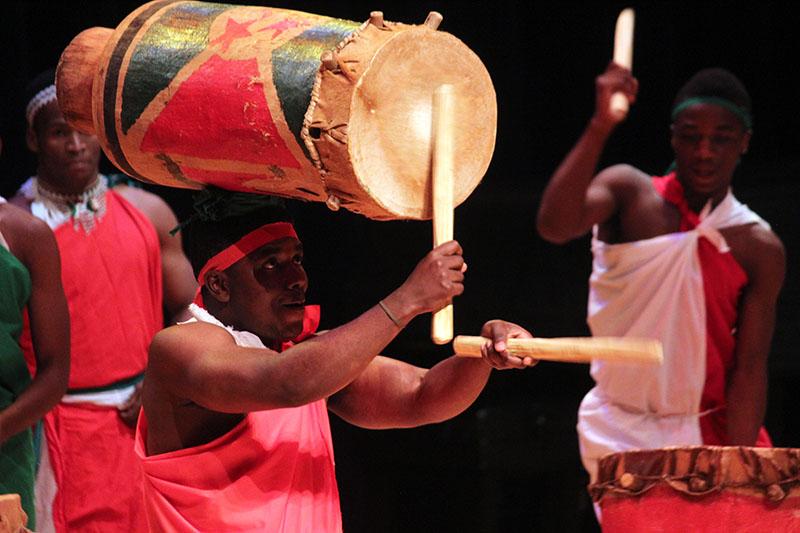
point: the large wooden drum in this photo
(700, 489)
(275, 101)
(12, 517)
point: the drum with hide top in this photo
(275, 101)
(700, 489)
(12, 517)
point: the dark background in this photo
(510, 463)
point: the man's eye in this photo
(689, 138)
(298, 259)
(722, 139)
(269, 264)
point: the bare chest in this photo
(651, 216)
(646, 217)
(184, 425)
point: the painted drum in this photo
(12, 516)
(274, 101)
(700, 489)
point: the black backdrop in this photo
(510, 462)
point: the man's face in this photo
(708, 141)
(268, 290)
(67, 160)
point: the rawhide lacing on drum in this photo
(773, 473)
(326, 119)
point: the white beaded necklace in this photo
(84, 209)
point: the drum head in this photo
(390, 123)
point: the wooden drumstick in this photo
(572, 349)
(623, 56)
(442, 178)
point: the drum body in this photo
(700, 489)
(275, 101)
(12, 517)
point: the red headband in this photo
(250, 242)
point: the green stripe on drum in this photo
(176, 38)
(112, 83)
(295, 66)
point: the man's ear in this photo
(672, 136)
(746, 141)
(216, 283)
(31, 140)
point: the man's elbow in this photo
(55, 373)
(552, 230)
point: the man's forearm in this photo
(562, 209)
(746, 404)
(450, 387)
(42, 394)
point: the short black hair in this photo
(222, 218)
(716, 83)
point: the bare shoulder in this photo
(626, 183)
(623, 176)
(756, 239)
(26, 234)
(760, 252)
(153, 206)
(17, 218)
(141, 198)
(21, 201)
(176, 348)
(638, 209)
(767, 238)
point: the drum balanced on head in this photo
(274, 101)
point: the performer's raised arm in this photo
(264, 293)
(573, 201)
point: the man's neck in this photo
(222, 313)
(698, 201)
(67, 187)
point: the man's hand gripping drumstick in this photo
(493, 345)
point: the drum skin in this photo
(189, 94)
(700, 489)
(12, 517)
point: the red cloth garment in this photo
(311, 318)
(100, 486)
(723, 282)
(273, 472)
(112, 281)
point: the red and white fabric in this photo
(681, 288)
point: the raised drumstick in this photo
(572, 349)
(442, 178)
(623, 56)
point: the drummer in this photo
(220, 399)
(676, 258)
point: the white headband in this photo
(42, 98)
